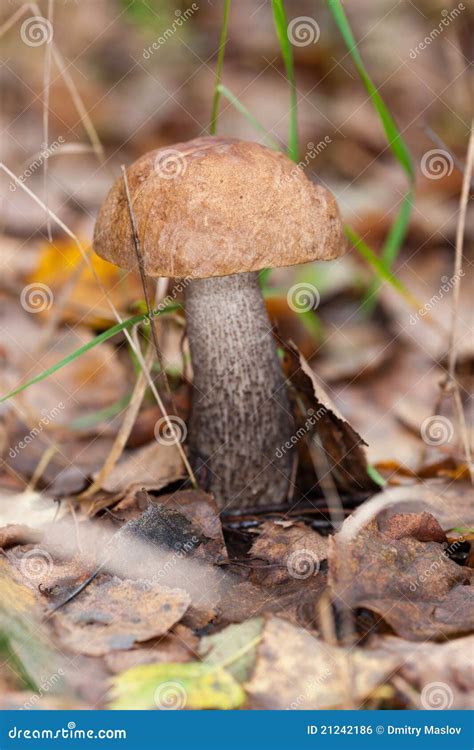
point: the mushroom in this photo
(214, 212)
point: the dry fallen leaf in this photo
(450, 665)
(296, 671)
(411, 584)
(421, 526)
(343, 446)
(295, 551)
(152, 467)
(113, 615)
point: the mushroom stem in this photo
(241, 416)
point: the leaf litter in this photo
(249, 608)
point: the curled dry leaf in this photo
(413, 585)
(343, 445)
(113, 615)
(296, 671)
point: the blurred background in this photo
(124, 77)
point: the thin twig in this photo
(451, 384)
(124, 431)
(46, 92)
(141, 268)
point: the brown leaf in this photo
(297, 671)
(421, 526)
(201, 509)
(423, 664)
(113, 615)
(178, 646)
(343, 445)
(152, 467)
(295, 551)
(411, 584)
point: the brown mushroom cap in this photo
(214, 207)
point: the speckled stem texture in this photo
(240, 415)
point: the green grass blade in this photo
(242, 109)
(219, 67)
(108, 334)
(281, 25)
(90, 420)
(397, 145)
(380, 267)
(394, 138)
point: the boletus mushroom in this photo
(214, 212)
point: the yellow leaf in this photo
(60, 264)
(176, 686)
